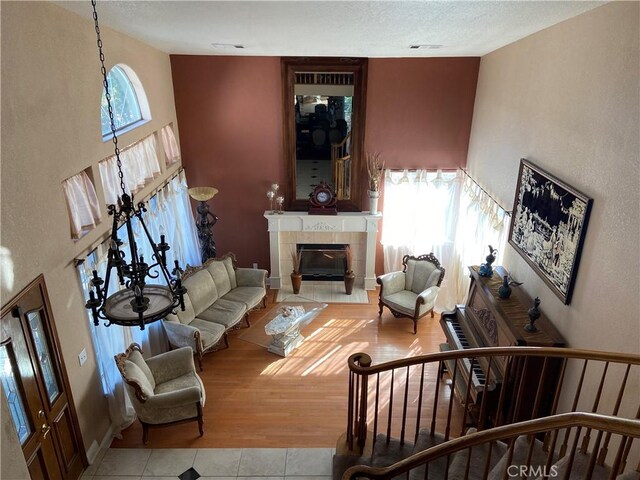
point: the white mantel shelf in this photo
(342, 223)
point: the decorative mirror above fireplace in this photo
(324, 102)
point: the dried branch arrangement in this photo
(375, 167)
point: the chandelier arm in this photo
(156, 252)
(133, 250)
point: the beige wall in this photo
(567, 99)
(51, 88)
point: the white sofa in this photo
(218, 297)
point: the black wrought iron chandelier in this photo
(138, 303)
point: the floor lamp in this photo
(205, 221)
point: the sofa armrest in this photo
(180, 334)
(391, 283)
(177, 398)
(170, 365)
(428, 297)
(251, 277)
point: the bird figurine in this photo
(485, 269)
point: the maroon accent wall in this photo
(419, 110)
(229, 113)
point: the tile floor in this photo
(212, 463)
(328, 292)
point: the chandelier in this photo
(138, 303)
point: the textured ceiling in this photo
(331, 28)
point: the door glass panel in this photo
(14, 398)
(44, 357)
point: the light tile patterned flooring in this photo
(329, 292)
(212, 463)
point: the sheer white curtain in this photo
(420, 216)
(482, 222)
(445, 213)
(139, 165)
(82, 204)
(171, 149)
(168, 213)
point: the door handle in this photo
(45, 430)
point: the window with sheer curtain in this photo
(171, 149)
(139, 165)
(82, 204)
(168, 212)
(441, 212)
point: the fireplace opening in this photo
(322, 262)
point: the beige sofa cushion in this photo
(185, 317)
(201, 289)
(224, 312)
(210, 333)
(250, 296)
(220, 276)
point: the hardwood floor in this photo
(257, 399)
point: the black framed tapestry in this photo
(548, 227)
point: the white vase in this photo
(373, 201)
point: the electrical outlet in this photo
(82, 356)
(255, 265)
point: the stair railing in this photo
(396, 399)
(625, 429)
(341, 166)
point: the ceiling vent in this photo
(226, 46)
(426, 47)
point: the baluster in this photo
(362, 422)
(404, 407)
(594, 454)
(509, 457)
(503, 388)
(419, 409)
(572, 454)
(485, 390)
(451, 396)
(605, 448)
(554, 407)
(587, 437)
(523, 375)
(563, 447)
(435, 398)
(627, 449)
(390, 406)
(467, 393)
(377, 403)
(350, 412)
(618, 462)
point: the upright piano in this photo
(486, 320)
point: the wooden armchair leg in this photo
(431, 313)
(380, 305)
(145, 433)
(415, 326)
(200, 421)
(199, 357)
(246, 319)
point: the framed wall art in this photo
(548, 227)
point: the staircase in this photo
(401, 418)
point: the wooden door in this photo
(36, 386)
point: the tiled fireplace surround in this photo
(358, 229)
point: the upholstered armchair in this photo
(164, 389)
(412, 292)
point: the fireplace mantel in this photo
(358, 229)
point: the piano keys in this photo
(489, 321)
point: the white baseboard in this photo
(94, 449)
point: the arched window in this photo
(128, 101)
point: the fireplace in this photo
(357, 229)
(322, 261)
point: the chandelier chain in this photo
(107, 95)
